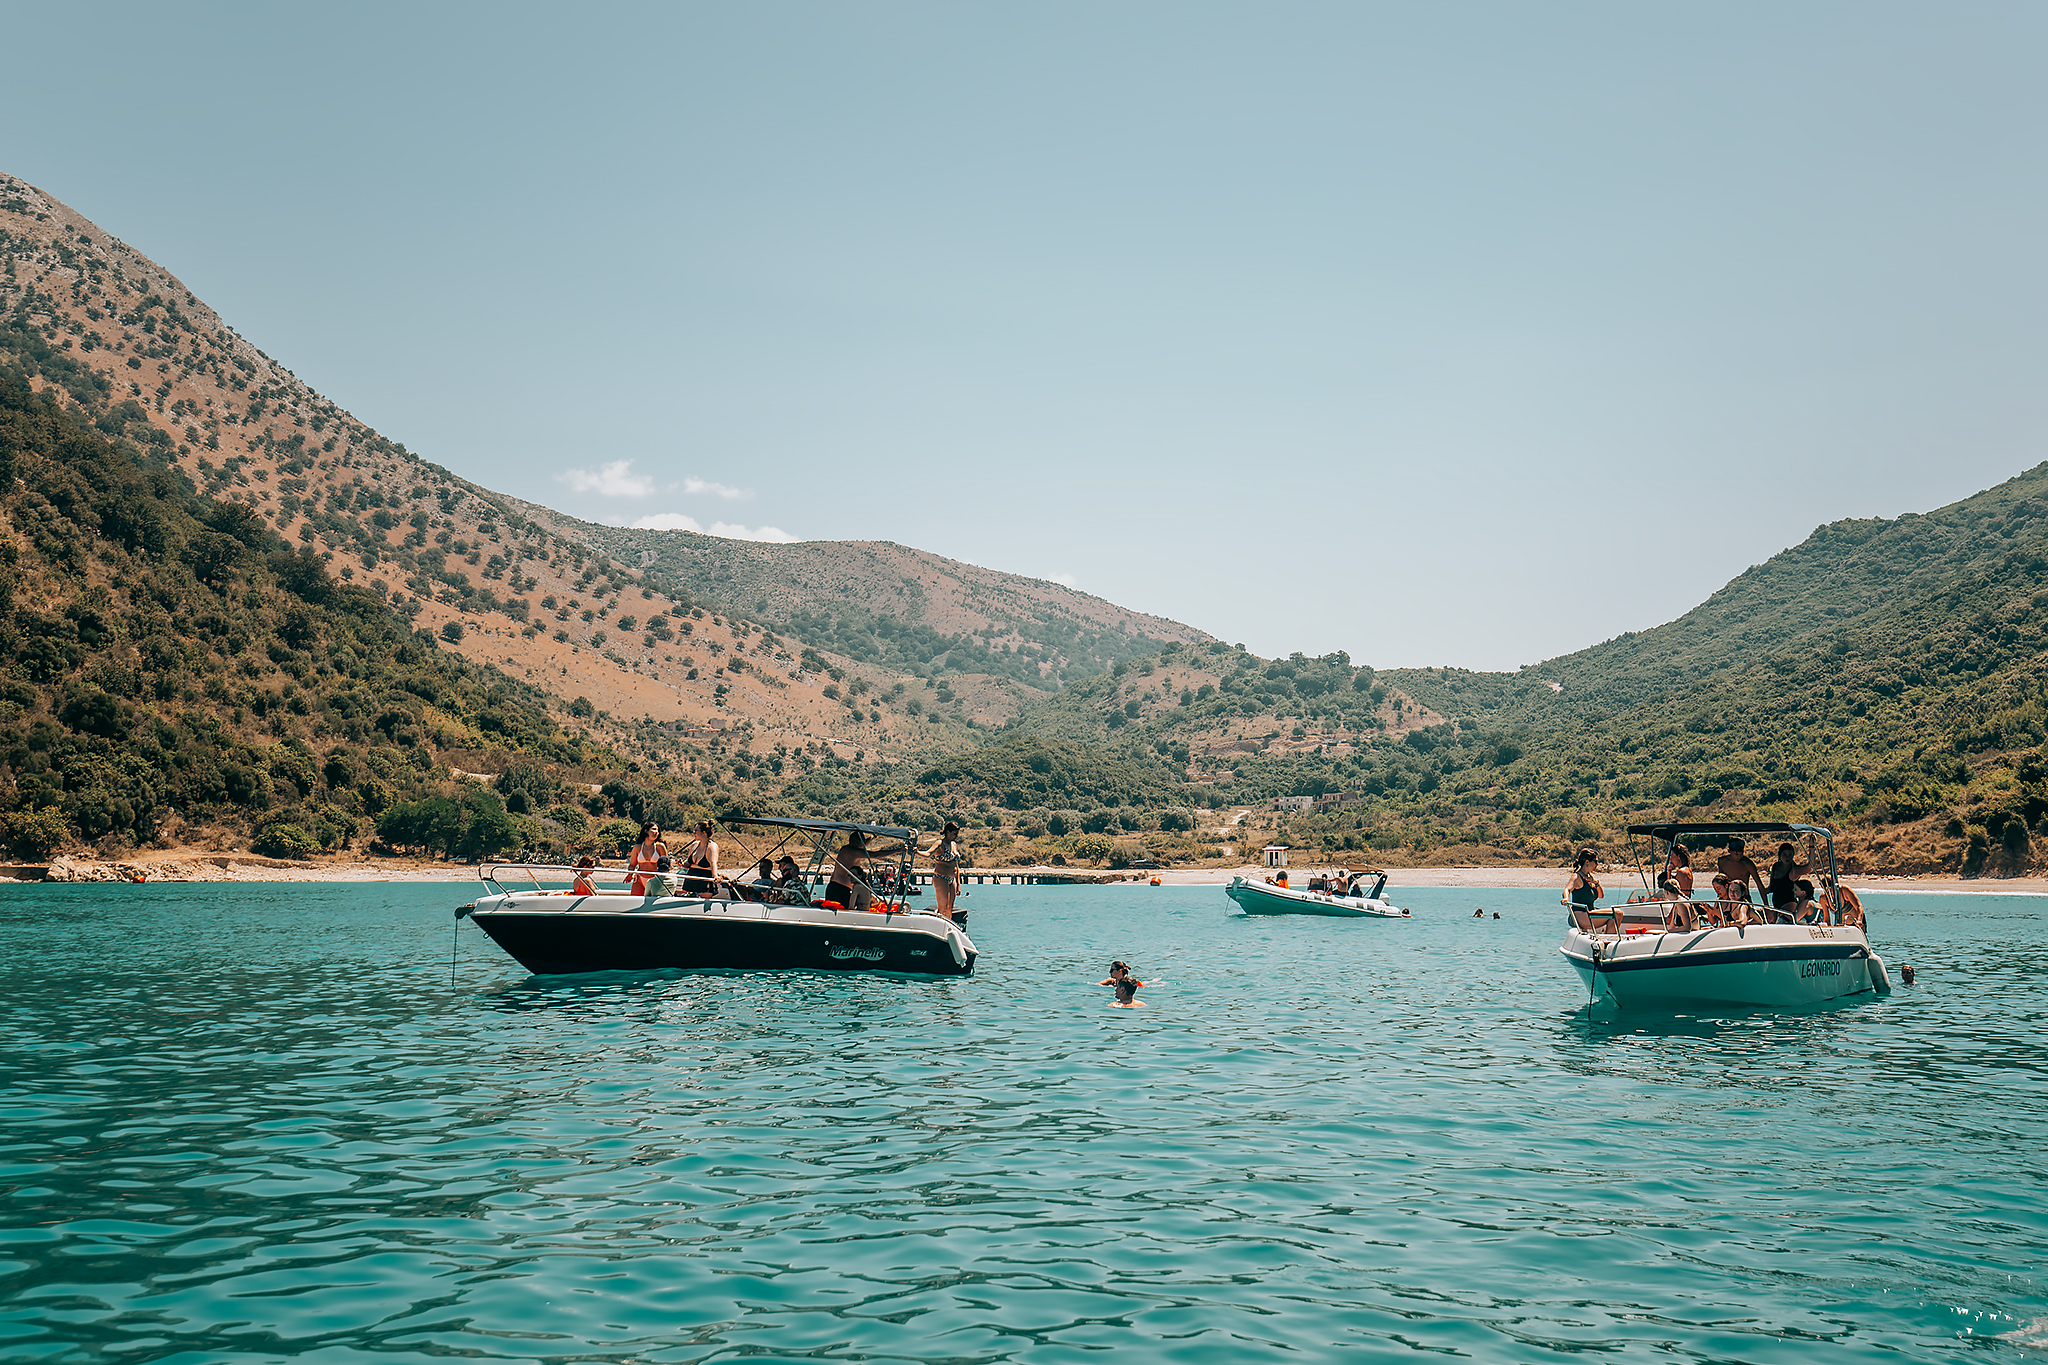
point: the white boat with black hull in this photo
(552, 931)
(1343, 895)
(1665, 950)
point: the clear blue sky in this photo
(1464, 334)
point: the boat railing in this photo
(618, 881)
(497, 874)
(1641, 916)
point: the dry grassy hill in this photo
(660, 631)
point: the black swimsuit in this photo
(1781, 892)
(697, 878)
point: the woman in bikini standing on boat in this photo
(700, 863)
(648, 851)
(946, 859)
(1584, 892)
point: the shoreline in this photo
(192, 865)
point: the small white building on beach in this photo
(1275, 854)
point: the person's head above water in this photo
(1126, 989)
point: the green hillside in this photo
(171, 670)
(1889, 678)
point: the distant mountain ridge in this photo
(890, 605)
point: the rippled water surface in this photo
(256, 1123)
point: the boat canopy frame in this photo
(822, 851)
(1668, 832)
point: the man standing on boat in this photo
(849, 885)
(1733, 874)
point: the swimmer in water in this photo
(1118, 974)
(1127, 995)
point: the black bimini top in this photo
(1680, 829)
(791, 822)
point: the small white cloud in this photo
(666, 521)
(1065, 580)
(677, 521)
(695, 487)
(773, 535)
(614, 480)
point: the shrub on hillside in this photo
(1092, 847)
(614, 837)
(285, 840)
(34, 834)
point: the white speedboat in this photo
(1351, 901)
(551, 931)
(1661, 951)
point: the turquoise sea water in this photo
(254, 1123)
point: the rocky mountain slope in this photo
(662, 632)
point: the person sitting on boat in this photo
(1844, 907)
(1784, 873)
(660, 884)
(790, 878)
(647, 851)
(583, 885)
(1676, 879)
(700, 863)
(1584, 891)
(1803, 908)
(765, 881)
(1733, 874)
(849, 885)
